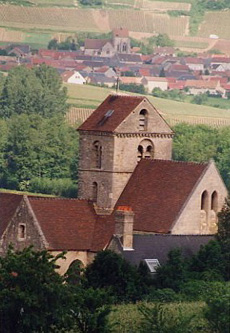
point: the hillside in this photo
(88, 97)
(37, 21)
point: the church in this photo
(133, 198)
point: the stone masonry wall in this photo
(191, 220)
(31, 233)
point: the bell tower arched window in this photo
(145, 150)
(143, 120)
(94, 192)
(97, 155)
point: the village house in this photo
(132, 197)
(73, 77)
(150, 83)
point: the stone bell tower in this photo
(120, 132)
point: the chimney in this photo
(124, 219)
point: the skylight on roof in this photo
(109, 113)
(152, 264)
(105, 117)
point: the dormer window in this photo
(21, 231)
(143, 115)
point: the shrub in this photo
(217, 311)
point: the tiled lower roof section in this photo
(67, 224)
(8, 205)
(157, 191)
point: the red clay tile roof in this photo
(67, 224)
(8, 205)
(157, 191)
(121, 105)
(95, 43)
(121, 32)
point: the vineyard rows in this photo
(148, 22)
(213, 122)
(47, 18)
(217, 23)
(79, 115)
(69, 19)
(165, 6)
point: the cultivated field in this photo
(69, 19)
(165, 6)
(142, 21)
(7, 35)
(89, 97)
(62, 19)
(217, 23)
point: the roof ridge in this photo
(178, 162)
(54, 198)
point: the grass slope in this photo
(91, 96)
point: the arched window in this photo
(124, 47)
(94, 192)
(214, 201)
(145, 150)
(143, 119)
(139, 153)
(97, 154)
(204, 201)
(149, 151)
(73, 273)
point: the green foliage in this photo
(177, 13)
(38, 90)
(199, 143)
(163, 40)
(161, 319)
(208, 262)
(200, 99)
(224, 222)
(173, 273)
(132, 87)
(33, 297)
(115, 274)
(91, 3)
(174, 94)
(68, 44)
(91, 310)
(39, 154)
(217, 311)
(197, 290)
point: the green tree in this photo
(164, 40)
(111, 271)
(217, 311)
(33, 297)
(38, 90)
(161, 319)
(208, 262)
(39, 148)
(173, 273)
